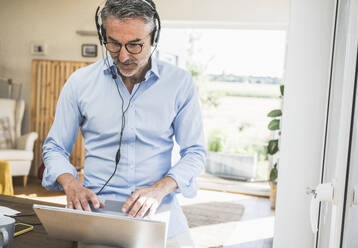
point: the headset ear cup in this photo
(98, 27)
(156, 31)
(154, 36)
(103, 34)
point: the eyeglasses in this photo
(132, 48)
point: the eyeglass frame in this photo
(125, 45)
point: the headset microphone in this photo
(114, 75)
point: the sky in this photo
(240, 52)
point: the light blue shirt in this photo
(164, 106)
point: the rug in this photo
(211, 213)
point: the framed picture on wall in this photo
(89, 50)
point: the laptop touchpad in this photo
(111, 207)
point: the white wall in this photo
(244, 13)
(55, 22)
(310, 36)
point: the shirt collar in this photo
(153, 70)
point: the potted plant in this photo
(273, 148)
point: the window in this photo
(238, 74)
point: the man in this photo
(146, 100)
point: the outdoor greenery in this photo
(244, 79)
(208, 98)
(232, 106)
(224, 89)
(216, 142)
(249, 94)
(239, 124)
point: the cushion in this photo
(8, 109)
(13, 154)
(5, 133)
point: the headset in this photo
(101, 31)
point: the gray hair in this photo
(128, 9)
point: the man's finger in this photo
(77, 204)
(69, 204)
(144, 209)
(152, 209)
(130, 202)
(85, 205)
(95, 201)
(137, 206)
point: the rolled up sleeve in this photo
(60, 140)
(189, 134)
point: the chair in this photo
(19, 153)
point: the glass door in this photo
(350, 214)
(334, 196)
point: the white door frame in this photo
(307, 78)
(316, 133)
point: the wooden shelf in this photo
(87, 32)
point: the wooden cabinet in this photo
(48, 78)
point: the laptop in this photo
(107, 227)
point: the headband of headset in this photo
(101, 31)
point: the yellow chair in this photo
(5, 179)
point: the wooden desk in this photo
(37, 237)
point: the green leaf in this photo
(274, 125)
(275, 113)
(215, 145)
(273, 173)
(282, 89)
(272, 147)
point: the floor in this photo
(254, 230)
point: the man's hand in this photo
(77, 195)
(149, 198)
